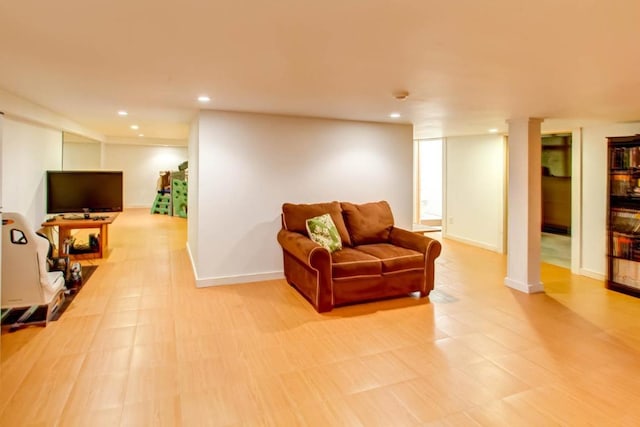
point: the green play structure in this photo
(162, 204)
(179, 197)
(172, 193)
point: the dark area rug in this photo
(40, 314)
(87, 271)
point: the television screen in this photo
(78, 191)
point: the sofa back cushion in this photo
(295, 216)
(369, 222)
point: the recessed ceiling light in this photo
(135, 127)
(204, 98)
(394, 115)
(401, 95)
(141, 135)
(493, 130)
(122, 113)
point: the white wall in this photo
(28, 151)
(249, 164)
(81, 155)
(474, 193)
(141, 165)
(594, 194)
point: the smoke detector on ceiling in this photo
(401, 95)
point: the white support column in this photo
(524, 204)
(576, 201)
(1, 227)
(1, 167)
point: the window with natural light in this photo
(430, 181)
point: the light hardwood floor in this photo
(141, 346)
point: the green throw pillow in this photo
(323, 231)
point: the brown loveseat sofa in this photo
(377, 260)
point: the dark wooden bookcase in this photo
(623, 215)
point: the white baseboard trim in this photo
(241, 278)
(482, 245)
(591, 274)
(524, 287)
(193, 264)
(204, 282)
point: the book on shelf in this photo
(623, 214)
(626, 273)
(621, 245)
(620, 185)
(625, 246)
(625, 221)
(625, 157)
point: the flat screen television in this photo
(84, 191)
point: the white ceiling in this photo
(469, 65)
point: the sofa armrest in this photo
(410, 240)
(431, 249)
(304, 249)
(307, 266)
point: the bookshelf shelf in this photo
(623, 215)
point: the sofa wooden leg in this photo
(324, 308)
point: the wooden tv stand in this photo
(66, 225)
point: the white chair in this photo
(27, 282)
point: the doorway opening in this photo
(556, 199)
(429, 184)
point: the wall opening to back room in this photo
(429, 184)
(556, 199)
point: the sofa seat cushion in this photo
(349, 262)
(394, 258)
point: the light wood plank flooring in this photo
(141, 346)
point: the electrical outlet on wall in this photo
(450, 220)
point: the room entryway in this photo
(429, 203)
(556, 199)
